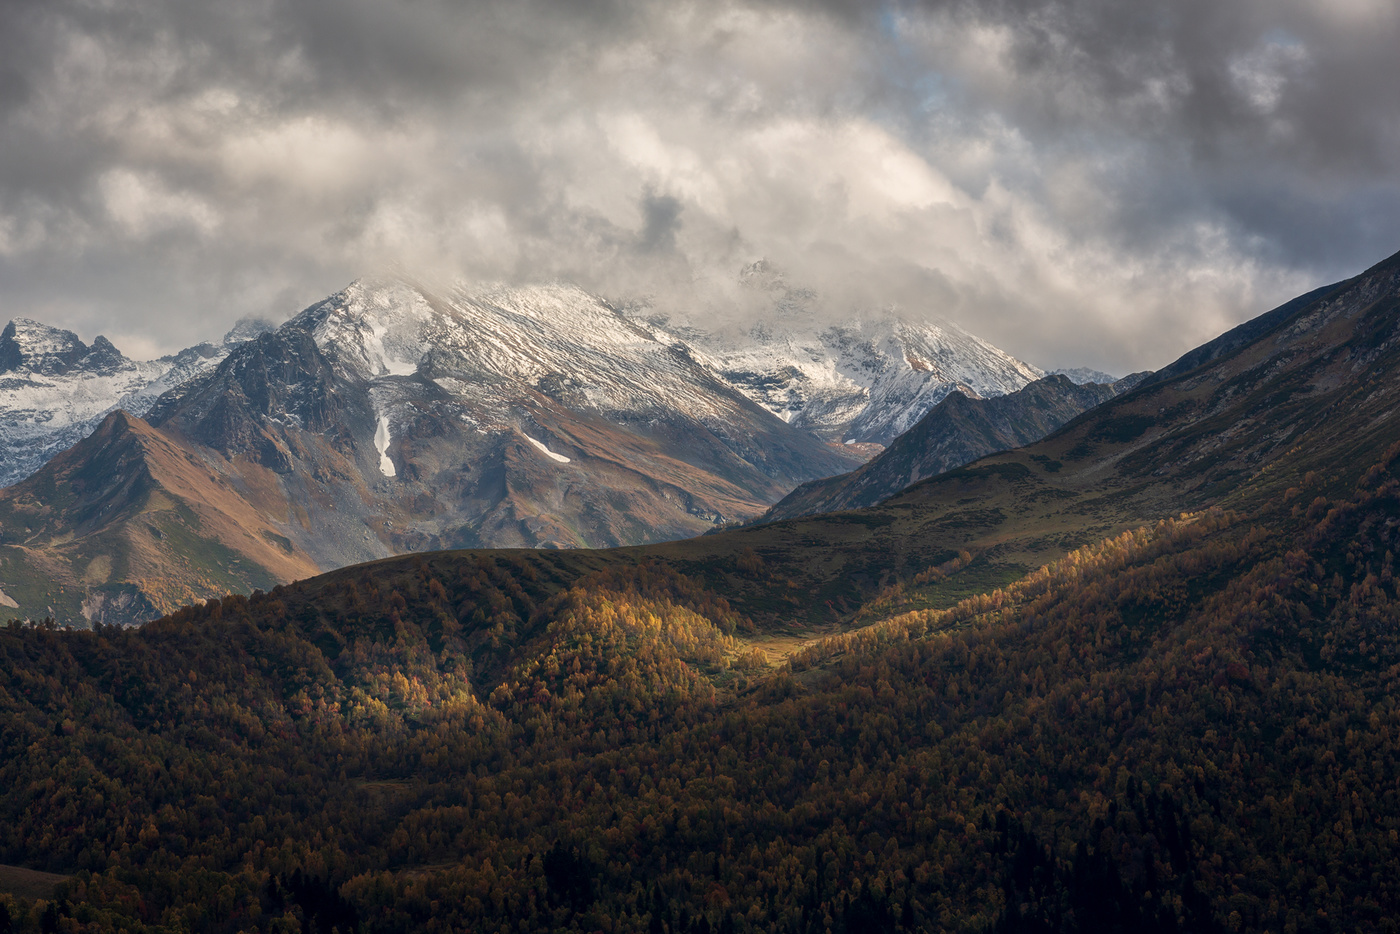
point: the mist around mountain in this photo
(1139, 675)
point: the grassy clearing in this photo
(28, 883)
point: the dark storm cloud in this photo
(1082, 181)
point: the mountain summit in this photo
(865, 379)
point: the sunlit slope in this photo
(130, 523)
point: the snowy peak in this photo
(27, 345)
(864, 380)
(373, 329)
(103, 355)
(557, 340)
(863, 377)
(1083, 375)
(54, 389)
(951, 354)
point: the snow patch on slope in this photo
(548, 453)
(381, 444)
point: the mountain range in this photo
(395, 417)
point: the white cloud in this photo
(141, 204)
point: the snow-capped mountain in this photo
(1083, 375)
(865, 380)
(488, 347)
(394, 417)
(54, 389)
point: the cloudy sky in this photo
(1080, 181)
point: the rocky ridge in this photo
(55, 389)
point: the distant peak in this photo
(39, 347)
(1080, 375)
(762, 274)
(103, 354)
(35, 335)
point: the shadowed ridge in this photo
(1257, 327)
(955, 432)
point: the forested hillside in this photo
(1189, 727)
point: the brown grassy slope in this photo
(132, 519)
